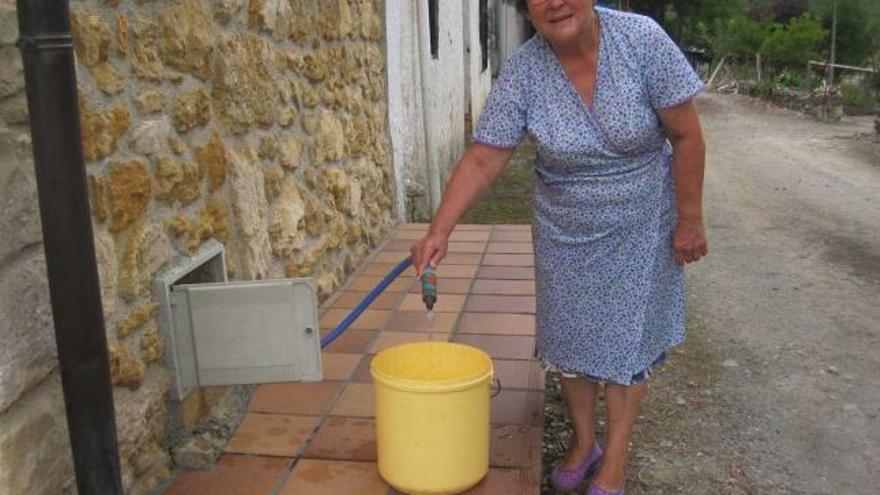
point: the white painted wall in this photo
(511, 30)
(443, 93)
(478, 82)
(405, 117)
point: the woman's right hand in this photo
(430, 250)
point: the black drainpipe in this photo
(50, 78)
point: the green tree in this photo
(740, 38)
(858, 22)
(792, 44)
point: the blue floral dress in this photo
(610, 297)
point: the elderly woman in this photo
(608, 99)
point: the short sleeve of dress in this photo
(670, 78)
(502, 122)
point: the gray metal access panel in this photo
(247, 332)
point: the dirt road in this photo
(777, 390)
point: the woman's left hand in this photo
(689, 241)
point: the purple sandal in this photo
(566, 480)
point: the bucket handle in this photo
(498, 388)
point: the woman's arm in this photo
(478, 167)
(682, 125)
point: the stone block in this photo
(107, 78)
(35, 455)
(147, 251)
(251, 212)
(8, 23)
(192, 109)
(329, 138)
(244, 90)
(98, 197)
(151, 344)
(288, 211)
(272, 15)
(91, 37)
(125, 369)
(291, 151)
(146, 61)
(101, 130)
(335, 19)
(225, 10)
(274, 177)
(28, 353)
(148, 137)
(20, 217)
(108, 270)
(122, 33)
(150, 101)
(11, 71)
(140, 425)
(177, 180)
(188, 38)
(128, 191)
(137, 318)
(212, 158)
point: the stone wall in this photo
(258, 123)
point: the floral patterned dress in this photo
(610, 297)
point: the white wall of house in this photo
(478, 81)
(406, 121)
(511, 30)
(430, 92)
(443, 84)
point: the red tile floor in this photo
(318, 438)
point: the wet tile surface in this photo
(511, 236)
(509, 260)
(518, 407)
(351, 341)
(507, 272)
(350, 299)
(417, 321)
(504, 287)
(334, 477)
(326, 430)
(448, 286)
(510, 248)
(272, 434)
(500, 304)
(497, 323)
(446, 303)
(466, 246)
(362, 372)
(515, 446)
(339, 366)
(371, 319)
(501, 346)
(232, 475)
(351, 439)
(307, 399)
(519, 374)
(391, 339)
(502, 481)
(356, 400)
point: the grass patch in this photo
(509, 199)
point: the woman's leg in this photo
(622, 403)
(580, 398)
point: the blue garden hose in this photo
(344, 324)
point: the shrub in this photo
(854, 97)
(795, 43)
(791, 80)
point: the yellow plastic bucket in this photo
(432, 416)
